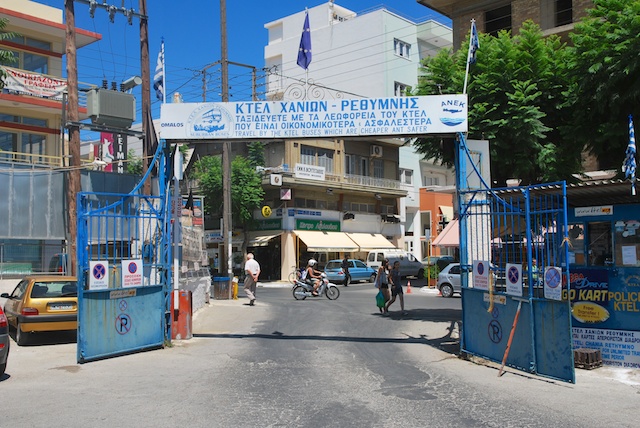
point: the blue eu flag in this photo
(304, 52)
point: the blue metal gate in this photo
(123, 274)
(513, 253)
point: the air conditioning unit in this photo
(376, 151)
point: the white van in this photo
(409, 265)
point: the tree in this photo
(606, 66)
(246, 187)
(134, 163)
(6, 57)
(517, 92)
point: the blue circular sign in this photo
(513, 275)
(480, 268)
(552, 278)
(133, 267)
(99, 271)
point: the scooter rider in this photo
(312, 276)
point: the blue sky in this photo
(191, 30)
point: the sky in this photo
(191, 31)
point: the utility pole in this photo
(226, 146)
(73, 175)
(146, 91)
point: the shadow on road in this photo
(449, 343)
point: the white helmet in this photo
(312, 262)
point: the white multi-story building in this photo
(364, 191)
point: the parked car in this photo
(409, 265)
(4, 342)
(440, 261)
(449, 281)
(59, 263)
(357, 269)
(41, 304)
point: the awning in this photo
(447, 212)
(370, 241)
(449, 237)
(260, 240)
(326, 241)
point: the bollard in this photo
(235, 288)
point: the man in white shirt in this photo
(252, 270)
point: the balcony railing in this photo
(361, 180)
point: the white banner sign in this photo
(433, 114)
(310, 172)
(37, 85)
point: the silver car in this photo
(449, 281)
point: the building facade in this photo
(32, 145)
(361, 190)
(553, 16)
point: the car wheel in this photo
(372, 278)
(21, 337)
(446, 290)
(421, 273)
(3, 367)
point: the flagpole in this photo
(164, 77)
(466, 73)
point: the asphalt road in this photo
(311, 363)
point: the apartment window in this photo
(22, 142)
(431, 181)
(401, 48)
(317, 156)
(364, 166)
(29, 61)
(406, 176)
(497, 19)
(563, 12)
(400, 89)
(378, 168)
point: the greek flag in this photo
(474, 44)
(304, 52)
(629, 165)
(158, 78)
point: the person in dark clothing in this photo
(345, 269)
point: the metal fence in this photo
(20, 257)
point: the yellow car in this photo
(42, 303)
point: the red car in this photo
(4, 341)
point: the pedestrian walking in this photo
(345, 269)
(396, 288)
(252, 270)
(382, 281)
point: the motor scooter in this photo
(302, 290)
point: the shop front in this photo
(604, 260)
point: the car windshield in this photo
(54, 289)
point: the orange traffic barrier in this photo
(408, 287)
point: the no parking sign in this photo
(131, 273)
(514, 279)
(98, 275)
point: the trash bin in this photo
(221, 287)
